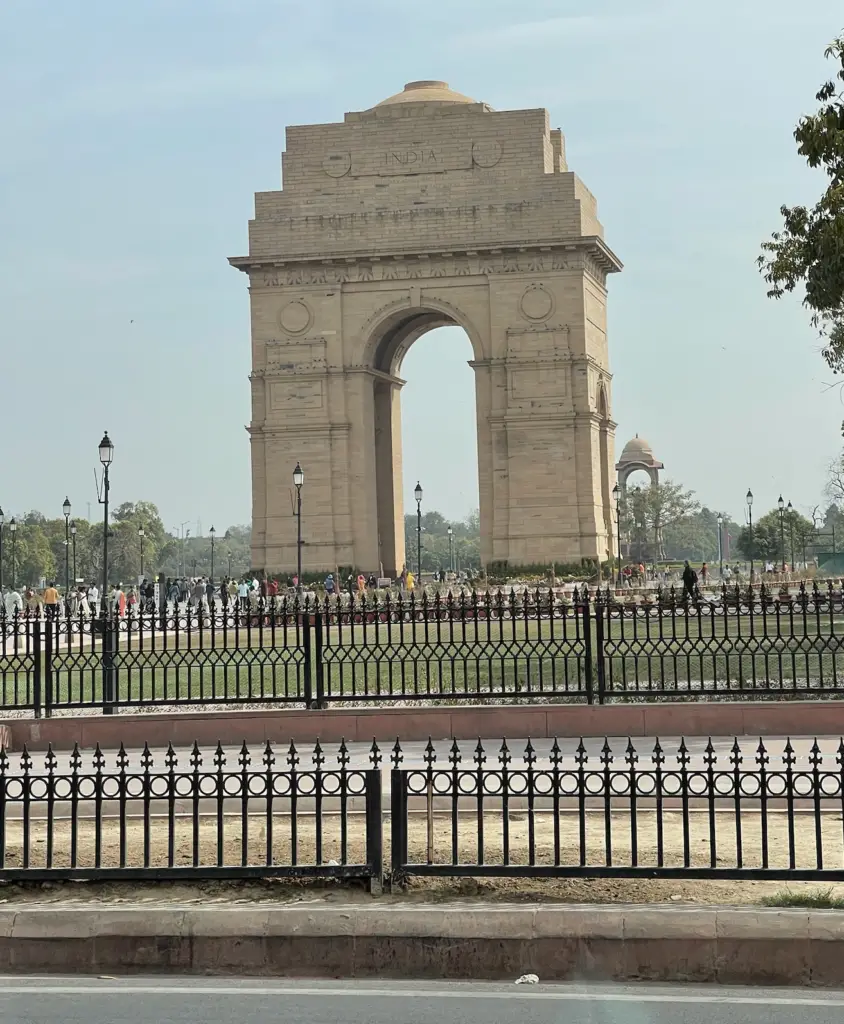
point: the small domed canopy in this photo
(425, 92)
(637, 454)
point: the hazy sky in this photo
(132, 139)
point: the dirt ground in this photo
(279, 849)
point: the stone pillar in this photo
(388, 460)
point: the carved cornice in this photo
(588, 254)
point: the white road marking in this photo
(725, 999)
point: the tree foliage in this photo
(769, 539)
(646, 512)
(39, 548)
(809, 251)
(466, 540)
(696, 537)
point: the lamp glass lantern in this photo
(417, 493)
(106, 449)
(298, 476)
(749, 498)
(66, 508)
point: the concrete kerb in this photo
(559, 942)
(736, 718)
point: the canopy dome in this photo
(637, 450)
(427, 91)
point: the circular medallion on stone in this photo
(336, 165)
(486, 154)
(536, 303)
(295, 317)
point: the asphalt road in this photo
(215, 1001)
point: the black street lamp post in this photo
(229, 556)
(2, 521)
(213, 533)
(450, 549)
(141, 535)
(13, 529)
(73, 543)
(106, 452)
(749, 500)
(720, 547)
(417, 493)
(790, 510)
(616, 493)
(66, 510)
(298, 481)
(781, 507)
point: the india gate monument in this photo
(428, 209)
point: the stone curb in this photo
(418, 723)
(722, 944)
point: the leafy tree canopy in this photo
(809, 250)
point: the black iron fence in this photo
(225, 815)
(543, 810)
(657, 813)
(518, 645)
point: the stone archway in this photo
(428, 209)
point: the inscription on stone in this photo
(419, 159)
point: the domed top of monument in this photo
(426, 92)
(637, 450)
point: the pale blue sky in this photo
(132, 139)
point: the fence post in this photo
(109, 632)
(398, 825)
(587, 645)
(36, 665)
(47, 665)
(374, 833)
(307, 669)
(599, 647)
(319, 667)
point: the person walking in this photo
(689, 581)
(51, 601)
(409, 582)
(94, 599)
(329, 585)
(243, 595)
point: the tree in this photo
(435, 547)
(810, 248)
(646, 512)
(834, 489)
(769, 540)
(696, 536)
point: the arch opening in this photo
(426, 430)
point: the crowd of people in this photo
(190, 592)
